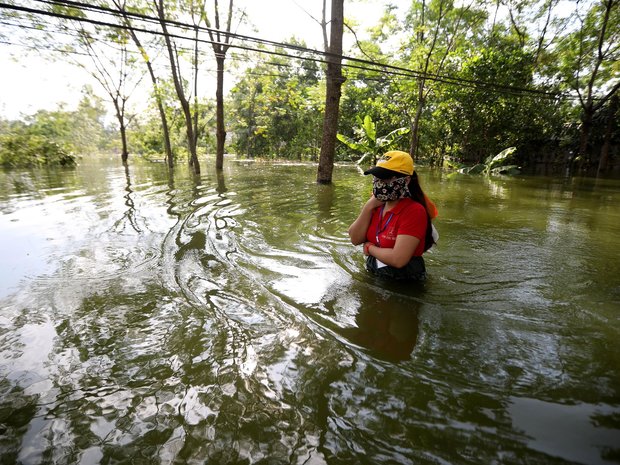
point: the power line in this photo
(111, 44)
(405, 72)
(151, 19)
(393, 70)
(148, 31)
(364, 65)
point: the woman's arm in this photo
(358, 229)
(397, 257)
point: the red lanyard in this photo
(379, 229)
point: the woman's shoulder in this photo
(411, 205)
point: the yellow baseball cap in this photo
(392, 163)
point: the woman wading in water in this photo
(395, 223)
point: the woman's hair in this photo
(416, 193)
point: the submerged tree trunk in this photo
(584, 135)
(221, 129)
(178, 85)
(220, 41)
(332, 95)
(125, 150)
(195, 116)
(166, 134)
(611, 121)
(123, 130)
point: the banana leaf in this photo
(497, 160)
(351, 143)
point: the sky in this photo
(30, 83)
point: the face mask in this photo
(390, 190)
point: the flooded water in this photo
(148, 317)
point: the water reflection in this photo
(582, 433)
(221, 182)
(389, 331)
(129, 217)
(325, 195)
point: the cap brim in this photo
(383, 173)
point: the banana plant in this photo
(494, 164)
(367, 142)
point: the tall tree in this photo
(161, 8)
(220, 42)
(113, 67)
(335, 80)
(121, 5)
(588, 60)
(437, 29)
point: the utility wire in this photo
(407, 72)
(363, 64)
(396, 71)
(170, 22)
(111, 45)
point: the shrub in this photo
(21, 148)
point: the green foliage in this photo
(26, 146)
(370, 93)
(367, 142)
(276, 111)
(54, 137)
(479, 120)
(146, 137)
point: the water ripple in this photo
(227, 319)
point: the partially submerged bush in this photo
(494, 164)
(20, 148)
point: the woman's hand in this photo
(357, 230)
(373, 203)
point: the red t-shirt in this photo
(407, 217)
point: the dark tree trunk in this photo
(166, 133)
(584, 136)
(221, 129)
(332, 95)
(221, 44)
(124, 149)
(611, 121)
(119, 109)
